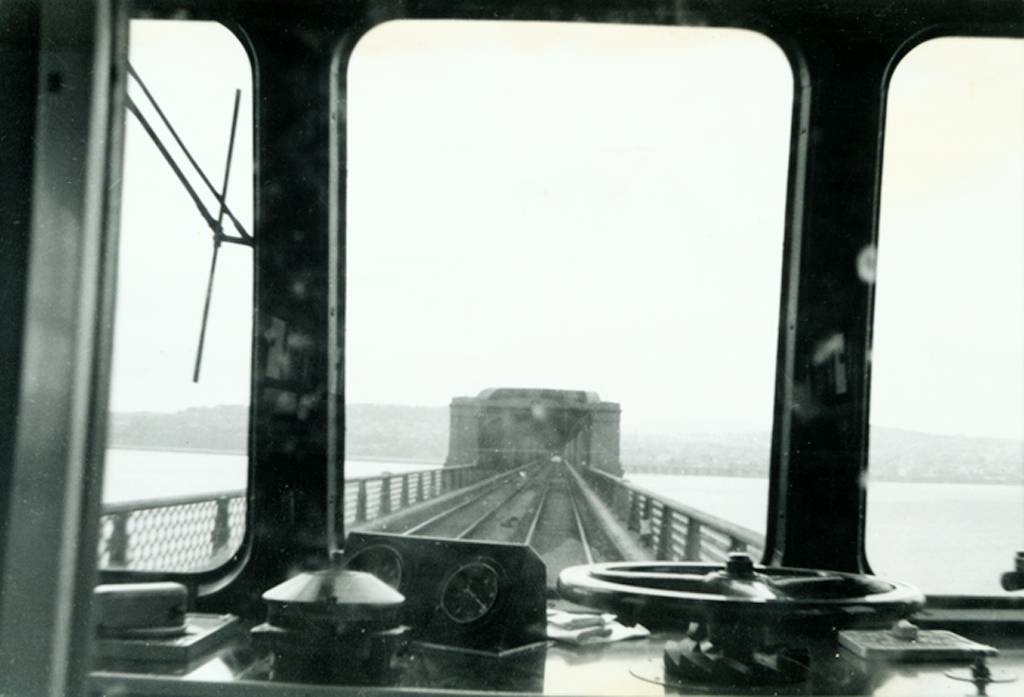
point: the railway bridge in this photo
(507, 427)
(528, 466)
(541, 467)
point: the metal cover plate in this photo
(930, 645)
(204, 632)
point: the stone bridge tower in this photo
(509, 427)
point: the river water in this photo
(944, 538)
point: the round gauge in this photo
(382, 562)
(470, 592)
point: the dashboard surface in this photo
(633, 667)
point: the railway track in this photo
(541, 507)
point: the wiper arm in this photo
(218, 231)
(216, 225)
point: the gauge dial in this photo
(470, 592)
(383, 562)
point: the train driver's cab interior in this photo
(483, 347)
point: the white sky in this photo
(166, 246)
(949, 341)
(595, 208)
(550, 206)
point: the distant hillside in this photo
(374, 431)
(895, 455)
(217, 429)
(736, 454)
(381, 431)
(899, 455)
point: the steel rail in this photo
(448, 512)
(494, 511)
(536, 515)
(580, 529)
(465, 504)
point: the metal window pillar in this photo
(819, 457)
(56, 409)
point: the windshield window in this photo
(177, 455)
(947, 409)
(574, 207)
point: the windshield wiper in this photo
(216, 225)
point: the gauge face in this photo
(382, 562)
(470, 592)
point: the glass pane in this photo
(945, 500)
(571, 207)
(174, 440)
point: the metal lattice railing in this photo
(185, 534)
(202, 532)
(674, 531)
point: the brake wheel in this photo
(746, 623)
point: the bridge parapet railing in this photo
(182, 534)
(369, 498)
(200, 532)
(674, 531)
